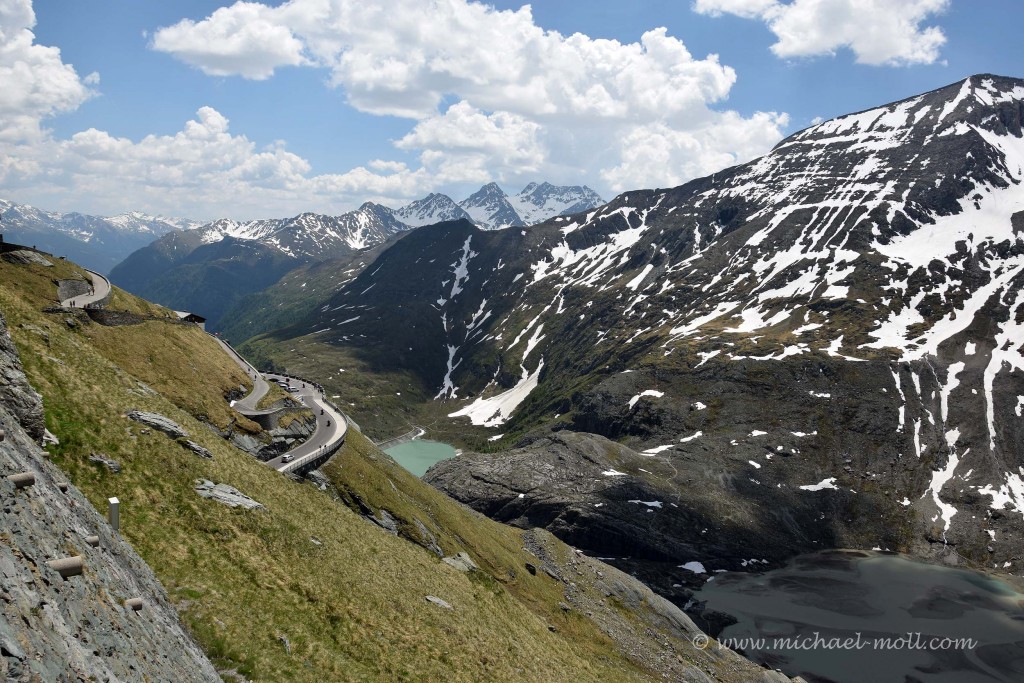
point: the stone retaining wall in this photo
(72, 288)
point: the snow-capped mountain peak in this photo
(434, 208)
(491, 208)
(537, 203)
(137, 221)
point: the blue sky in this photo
(208, 109)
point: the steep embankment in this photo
(302, 587)
(83, 626)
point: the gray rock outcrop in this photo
(228, 495)
(439, 602)
(54, 629)
(197, 449)
(461, 561)
(385, 521)
(607, 499)
(22, 402)
(26, 257)
(427, 539)
(159, 423)
(111, 464)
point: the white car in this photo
(288, 458)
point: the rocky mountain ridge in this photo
(311, 235)
(819, 348)
(433, 208)
(179, 269)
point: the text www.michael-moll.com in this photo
(815, 641)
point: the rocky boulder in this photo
(228, 495)
(197, 449)
(461, 561)
(159, 423)
(108, 462)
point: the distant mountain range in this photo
(102, 242)
(97, 242)
(181, 268)
(490, 208)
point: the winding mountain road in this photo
(331, 426)
(100, 291)
(259, 388)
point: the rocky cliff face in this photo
(78, 628)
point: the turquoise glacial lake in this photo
(419, 454)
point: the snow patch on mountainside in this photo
(496, 410)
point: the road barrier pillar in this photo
(114, 513)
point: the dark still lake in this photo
(852, 616)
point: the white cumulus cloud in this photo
(203, 171)
(34, 82)
(879, 32)
(527, 101)
(464, 141)
(237, 40)
(488, 95)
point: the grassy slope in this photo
(294, 296)
(352, 607)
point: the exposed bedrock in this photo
(734, 463)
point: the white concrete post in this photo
(114, 513)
